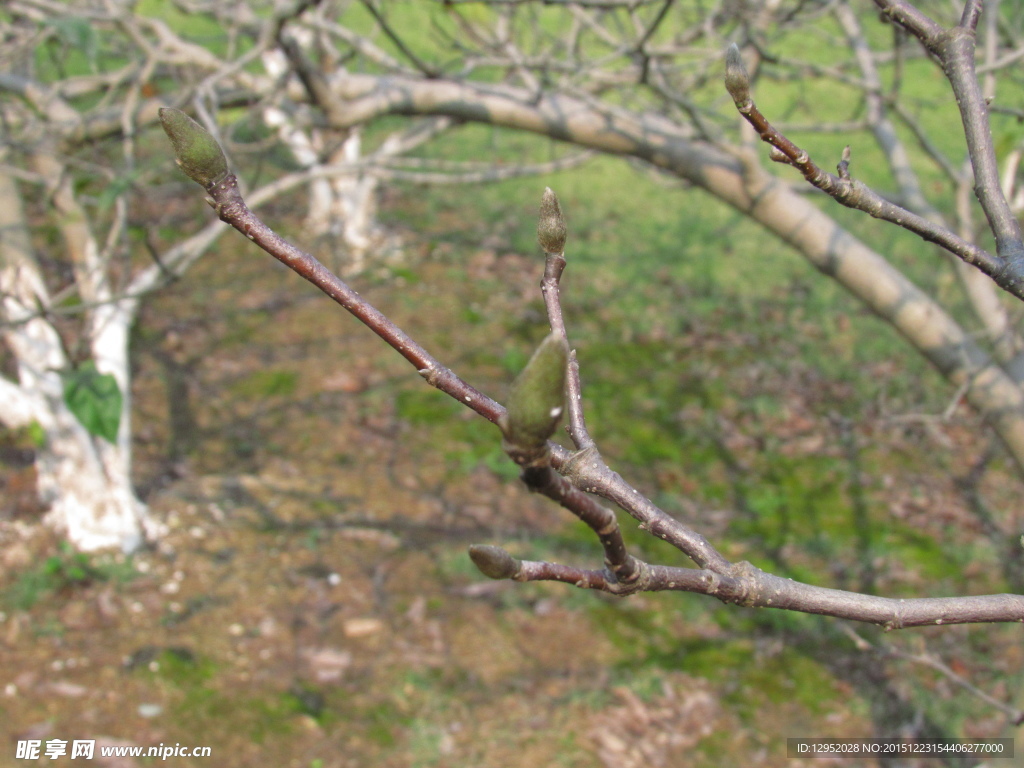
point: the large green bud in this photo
(537, 398)
(198, 154)
(551, 224)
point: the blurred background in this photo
(305, 598)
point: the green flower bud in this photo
(493, 562)
(737, 81)
(551, 225)
(197, 152)
(537, 397)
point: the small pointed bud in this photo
(197, 152)
(737, 81)
(493, 562)
(844, 164)
(537, 397)
(551, 225)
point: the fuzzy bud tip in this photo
(197, 152)
(537, 397)
(551, 224)
(737, 81)
(493, 562)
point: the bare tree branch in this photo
(954, 48)
(584, 472)
(854, 194)
(1015, 715)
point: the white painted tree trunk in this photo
(343, 207)
(353, 215)
(85, 481)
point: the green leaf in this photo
(95, 399)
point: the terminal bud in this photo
(493, 562)
(198, 154)
(737, 81)
(551, 225)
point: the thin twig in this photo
(417, 62)
(954, 49)
(855, 194)
(568, 477)
(228, 202)
(554, 265)
(1015, 715)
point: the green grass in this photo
(63, 574)
(265, 384)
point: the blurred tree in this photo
(731, 172)
(78, 88)
(83, 223)
(643, 79)
(84, 220)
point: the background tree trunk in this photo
(738, 180)
(85, 480)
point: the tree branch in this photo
(854, 194)
(954, 48)
(529, 421)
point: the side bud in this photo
(551, 224)
(537, 397)
(198, 154)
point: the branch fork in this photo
(548, 384)
(1006, 267)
